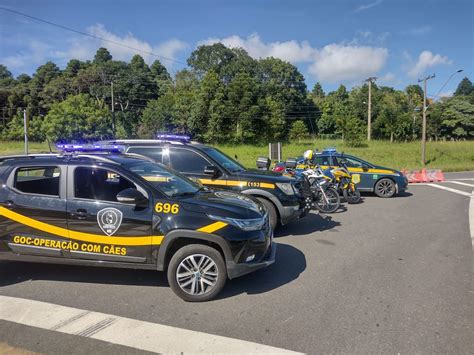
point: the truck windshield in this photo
(223, 160)
(171, 183)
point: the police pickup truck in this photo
(286, 199)
(118, 210)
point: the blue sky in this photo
(332, 42)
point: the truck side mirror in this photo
(211, 170)
(132, 196)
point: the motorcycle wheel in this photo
(352, 197)
(333, 201)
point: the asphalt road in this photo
(384, 276)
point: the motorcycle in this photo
(325, 196)
(346, 183)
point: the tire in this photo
(272, 213)
(182, 260)
(333, 199)
(352, 197)
(385, 188)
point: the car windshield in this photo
(171, 183)
(223, 160)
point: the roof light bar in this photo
(96, 147)
(330, 150)
(173, 137)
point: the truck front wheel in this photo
(197, 273)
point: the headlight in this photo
(244, 224)
(286, 187)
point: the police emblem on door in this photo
(109, 220)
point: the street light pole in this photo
(423, 132)
(369, 107)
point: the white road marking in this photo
(462, 179)
(133, 333)
(460, 183)
(471, 218)
(451, 190)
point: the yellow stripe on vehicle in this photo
(96, 238)
(211, 228)
(238, 183)
(213, 182)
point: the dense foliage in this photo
(225, 96)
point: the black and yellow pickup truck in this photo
(118, 210)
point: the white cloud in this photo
(335, 62)
(368, 6)
(291, 51)
(387, 79)
(426, 60)
(122, 48)
(332, 63)
(36, 53)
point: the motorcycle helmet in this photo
(308, 155)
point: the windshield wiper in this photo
(186, 193)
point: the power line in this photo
(91, 35)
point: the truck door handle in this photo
(79, 214)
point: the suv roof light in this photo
(173, 137)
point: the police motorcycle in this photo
(345, 182)
(325, 196)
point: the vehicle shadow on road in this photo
(16, 272)
(399, 195)
(309, 224)
(290, 263)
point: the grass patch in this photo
(448, 156)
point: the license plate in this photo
(356, 178)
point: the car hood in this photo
(224, 203)
(261, 176)
(385, 168)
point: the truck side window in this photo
(99, 184)
(151, 152)
(187, 161)
(38, 180)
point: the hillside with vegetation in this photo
(223, 96)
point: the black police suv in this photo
(118, 210)
(285, 198)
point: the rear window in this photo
(38, 180)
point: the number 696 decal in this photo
(167, 208)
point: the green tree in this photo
(457, 116)
(78, 118)
(102, 55)
(242, 107)
(465, 87)
(318, 91)
(298, 131)
(158, 116)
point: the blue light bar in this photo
(96, 147)
(173, 137)
(330, 150)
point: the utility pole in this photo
(113, 107)
(423, 132)
(369, 107)
(25, 128)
